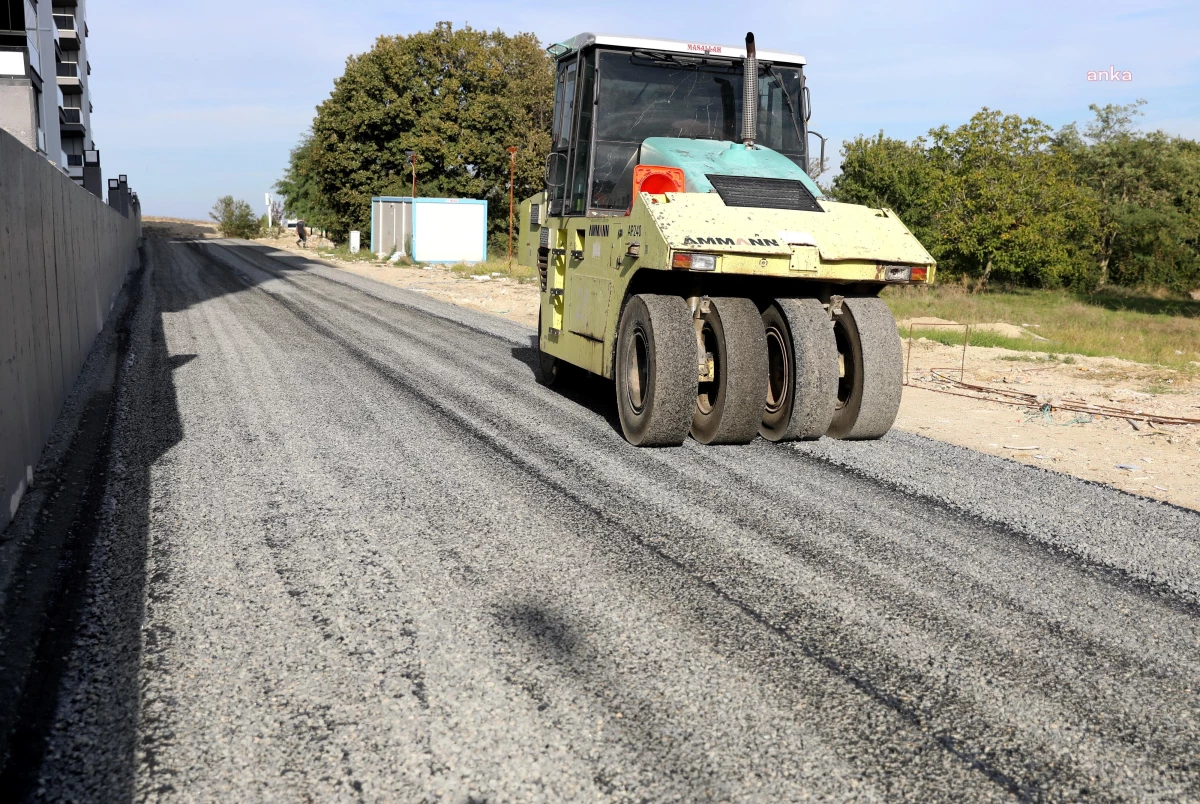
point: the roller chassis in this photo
(588, 266)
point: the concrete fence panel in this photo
(64, 256)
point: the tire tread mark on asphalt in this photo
(406, 660)
(260, 258)
(908, 713)
(159, 637)
(1070, 561)
(413, 671)
(1119, 577)
(1119, 661)
(1063, 559)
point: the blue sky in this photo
(199, 100)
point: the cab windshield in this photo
(651, 94)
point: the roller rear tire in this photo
(729, 408)
(872, 375)
(656, 370)
(802, 376)
(551, 369)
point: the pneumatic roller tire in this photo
(872, 370)
(656, 370)
(802, 370)
(729, 407)
(551, 369)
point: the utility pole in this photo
(412, 157)
(268, 210)
(512, 177)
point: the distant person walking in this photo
(302, 234)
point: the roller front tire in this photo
(729, 406)
(656, 370)
(871, 372)
(802, 370)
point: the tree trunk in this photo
(983, 280)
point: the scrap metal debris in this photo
(1005, 396)
(937, 377)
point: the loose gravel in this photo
(369, 558)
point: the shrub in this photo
(235, 218)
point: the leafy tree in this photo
(992, 199)
(303, 198)
(884, 172)
(458, 98)
(235, 218)
(1148, 186)
(1008, 205)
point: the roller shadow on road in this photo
(580, 387)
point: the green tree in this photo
(302, 194)
(884, 172)
(996, 198)
(1008, 204)
(235, 218)
(458, 98)
(1148, 187)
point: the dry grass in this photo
(1155, 329)
(341, 252)
(494, 267)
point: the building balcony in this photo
(71, 121)
(68, 36)
(68, 75)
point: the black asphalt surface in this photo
(350, 550)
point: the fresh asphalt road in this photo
(351, 550)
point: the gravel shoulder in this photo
(379, 562)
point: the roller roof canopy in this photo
(674, 46)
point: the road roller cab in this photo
(685, 251)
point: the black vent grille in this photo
(752, 191)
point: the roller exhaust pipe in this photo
(749, 93)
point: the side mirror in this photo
(550, 157)
(817, 167)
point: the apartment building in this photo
(45, 99)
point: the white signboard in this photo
(449, 230)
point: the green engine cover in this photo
(699, 158)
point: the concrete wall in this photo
(64, 256)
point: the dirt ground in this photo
(1161, 462)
